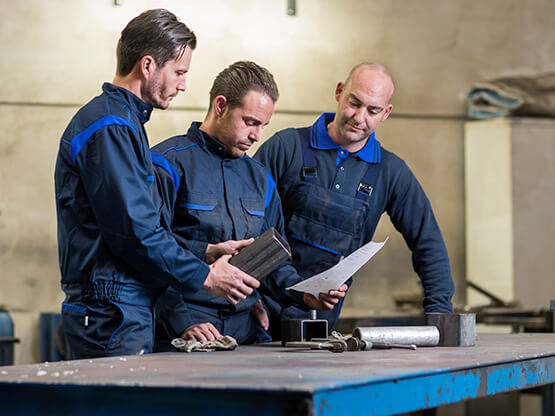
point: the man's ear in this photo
(338, 90)
(387, 112)
(147, 66)
(219, 105)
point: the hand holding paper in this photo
(336, 275)
(325, 301)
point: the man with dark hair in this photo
(335, 180)
(157, 33)
(233, 82)
(115, 258)
(219, 199)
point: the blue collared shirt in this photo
(320, 139)
(396, 192)
(338, 169)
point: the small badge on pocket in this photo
(364, 187)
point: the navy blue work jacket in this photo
(212, 198)
(396, 192)
(111, 243)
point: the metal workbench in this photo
(272, 380)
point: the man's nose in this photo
(255, 133)
(359, 115)
(181, 86)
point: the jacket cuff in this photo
(198, 248)
(195, 280)
(296, 298)
(177, 323)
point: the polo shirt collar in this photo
(320, 139)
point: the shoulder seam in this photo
(160, 160)
(79, 141)
(270, 181)
(179, 149)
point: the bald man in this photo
(335, 181)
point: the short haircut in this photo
(156, 32)
(238, 79)
(375, 67)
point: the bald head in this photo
(372, 71)
(363, 102)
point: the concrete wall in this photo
(55, 55)
(510, 234)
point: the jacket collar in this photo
(207, 141)
(135, 104)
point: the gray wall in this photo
(55, 55)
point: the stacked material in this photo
(513, 96)
(262, 256)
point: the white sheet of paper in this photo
(335, 276)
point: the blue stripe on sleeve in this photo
(270, 179)
(165, 164)
(78, 141)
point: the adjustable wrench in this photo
(355, 344)
(333, 345)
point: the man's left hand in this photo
(325, 301)
(201, 332)
(261, 315)
(215, 251)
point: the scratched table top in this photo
(273, 367)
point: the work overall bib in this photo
(322, 225)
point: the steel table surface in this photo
(272, 380)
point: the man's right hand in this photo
(201, 332)
(228, 281)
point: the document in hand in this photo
(336, 275)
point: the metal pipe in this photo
(421, 336)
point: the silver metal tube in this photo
(421, 336)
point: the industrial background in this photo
(56, 55)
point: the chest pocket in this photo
(198, 217)
(254, 217)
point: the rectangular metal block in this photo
(303, 329)
(455, 329)
(263, 255)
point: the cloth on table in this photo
(513, 96)
(221, 344)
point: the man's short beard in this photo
(148, 96)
